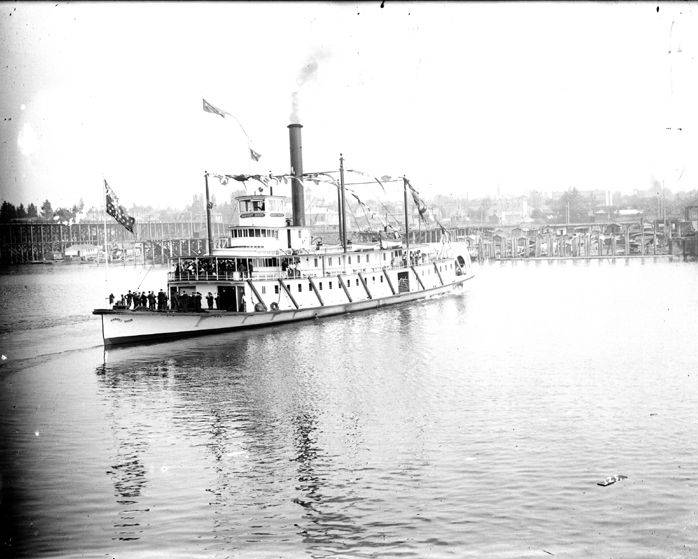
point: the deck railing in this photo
(185, 275)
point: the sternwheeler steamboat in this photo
(269, 271)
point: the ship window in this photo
(276, 234)
(381, 279)
(276, 289)
(329, 263)
(258, 205)
(349, 258)
(357, 282)
(300, 288)
(330, 287)
(374, 279)
(299, 233)
(288, 286)
(316, 262)
(310, 286)
(358, 259)
(368, 258)
(320, 286)
(257, 233)
(264, 289)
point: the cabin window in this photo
(299, 233)
(258, 205)
(384, 256)
(264, 289)
(288, 286)
(374, 279)
(315, 262)
(300, 288)
(349, 257)
(368, 258)
(257, 233)
(329, 263)
(381, 279)
(320, 286)
(358, 259)
(357, 282)
(330, 287)
(276, 289)
(310, 286)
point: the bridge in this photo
(22, 242)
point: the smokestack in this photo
(297, 195)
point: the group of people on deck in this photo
(207, 267)
(159, 302)
(140, 301)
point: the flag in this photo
(211, 109)
(254, 155)
(117, 211)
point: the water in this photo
(466, 426)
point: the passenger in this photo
(243, 304)
(151, 300)
(129, 299)
(111, 299)
(209, 300)
(197, 301)
(184, 298)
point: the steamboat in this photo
(270, 271)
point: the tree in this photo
(46, 210)
(7, 212)
(576, 203)
(21, 212)
(64, 215)
(31, 211)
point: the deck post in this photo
(346, 291)
(438, 273)
(363, 281)
(256, 294)
(317, 293)
(390, 283)
(419, 280)
(283, 286)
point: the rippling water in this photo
(474, 425)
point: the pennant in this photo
(211, 109)
(117, 211)
(255, 155)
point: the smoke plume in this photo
(306, 74)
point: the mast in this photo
(344, 215)
(209, 233)
(106, 251)
(339, 204)
(407, 229)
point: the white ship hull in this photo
(128, 327)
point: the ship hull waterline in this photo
(126, 327)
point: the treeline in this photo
(10, 212)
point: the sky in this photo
(467, 99)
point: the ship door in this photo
(240, 297)
(403, 282)
(226, 298)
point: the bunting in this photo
(117, 211)
(209, 108)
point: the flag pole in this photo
(209, 231)
(106, 253)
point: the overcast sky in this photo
(461, 98)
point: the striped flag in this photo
(211, 109)
(117, 211)
(254, 155)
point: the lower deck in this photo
(293, 293)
